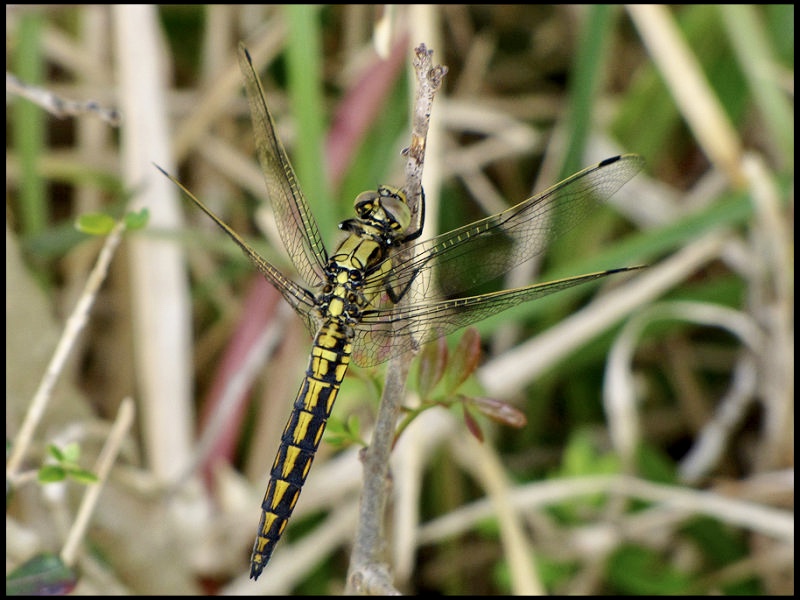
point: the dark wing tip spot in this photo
(608, 161)
(247, 54)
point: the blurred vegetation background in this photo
(658, 452)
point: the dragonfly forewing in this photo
(296, 224)
(469, 256)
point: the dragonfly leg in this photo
(420, 217)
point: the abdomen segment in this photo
(330, 356)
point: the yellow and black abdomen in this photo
(330, 356)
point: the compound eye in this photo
(365, 202)
(396, 208)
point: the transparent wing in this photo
(482, 251)
(464, 258)
(386, 333)
(300, 299)
(296, 224)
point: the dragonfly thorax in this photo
(359, 260)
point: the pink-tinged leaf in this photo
(499, 411)
(432, 365)
(472, 424)
(465, 359)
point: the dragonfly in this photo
(383, 291)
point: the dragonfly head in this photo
(385, 207)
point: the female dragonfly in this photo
(350, 302)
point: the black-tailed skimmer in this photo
(350, 302)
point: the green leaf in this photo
(55, 452)
(137, 220)
(339, 432)
(95, 224)
(83, 476)
(582, 458)
(641, 571)
(354, 426)
(42, 575)
(655, 465)
(72, 452)
(51, 474)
